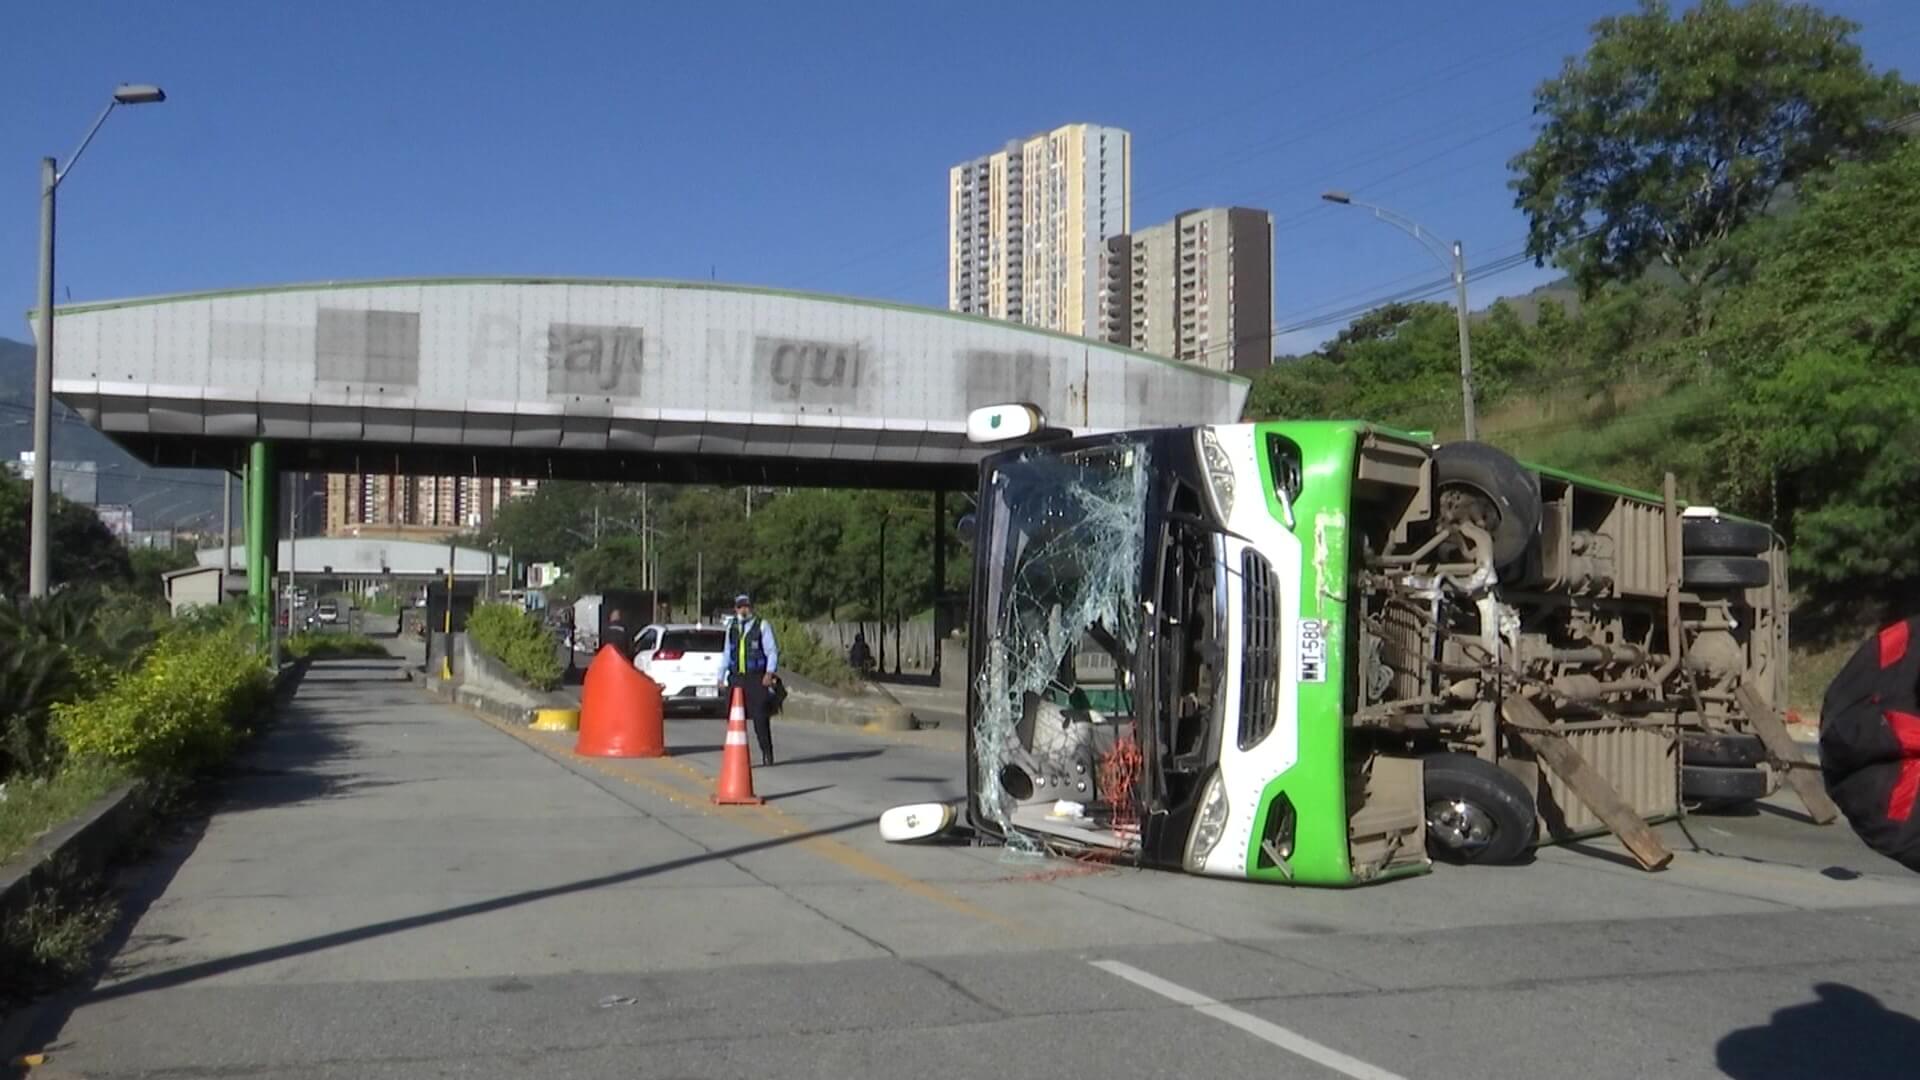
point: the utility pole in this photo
(1466, 351)
(1455, 260)
(40, 519)
(446, 644)
(226, 530)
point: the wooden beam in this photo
(1558, 755)
(1784, 755)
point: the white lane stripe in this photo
(1249, 1023)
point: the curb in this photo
(82, 846)
(800, 706)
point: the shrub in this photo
(181, 709)
(308, 645)
(517, 639)
(53, 650)
(805, 654)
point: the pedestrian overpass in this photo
(586, 379)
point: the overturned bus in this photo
(1328, 652)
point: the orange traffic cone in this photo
(621, 711)
(736, 768)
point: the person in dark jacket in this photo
(751, 666)
(618, 634)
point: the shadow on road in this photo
(841, 755)
(54, 1016)
(1845, 1033)
(776, 796)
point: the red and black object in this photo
(1870, 742)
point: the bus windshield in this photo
(1063, 535)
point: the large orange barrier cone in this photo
(621, 711)
(736, 768)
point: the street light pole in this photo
(40, 529)
(1454, 258)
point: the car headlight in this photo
(1213, 457)
(1209, 825)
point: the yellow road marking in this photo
(766, 820)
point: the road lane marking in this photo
(765, 820)
(1291, 1041)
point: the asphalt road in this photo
(397, 888)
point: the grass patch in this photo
(32, 806)
(316, 645)
(51, 941)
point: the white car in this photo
(686, 661)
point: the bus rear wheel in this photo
(1476, 811)
(1482, 485)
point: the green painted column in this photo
(261, 539)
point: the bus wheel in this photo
(1477, 812)
(1483, 485)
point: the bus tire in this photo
(1476, 811)
(1724, 572)
(1715, 785)
(1722, 749)
(1701, 536)
(1483, 485)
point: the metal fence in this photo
(915, 648)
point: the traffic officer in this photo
(752, 659)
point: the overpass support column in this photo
(939, 578)
(261, 539)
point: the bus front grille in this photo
(1259, 649)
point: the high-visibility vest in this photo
(746, 646)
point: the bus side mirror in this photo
(1011, 423)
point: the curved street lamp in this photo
(38, 548)
(1455, 260)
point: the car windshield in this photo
(695, 641)
(1063, 543)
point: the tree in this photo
(1670, 133)
(615, 563)
(146, 566)
(83, 549)
(1820, 352)
(704, 545)
(799, 559)
(563, 518)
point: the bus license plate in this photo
(1313, 651)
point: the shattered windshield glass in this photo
(1066, 533)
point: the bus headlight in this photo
(1213, 457)
(1209, 825)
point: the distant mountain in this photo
(161, 498)
(1561, 290)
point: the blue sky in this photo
(800, 145)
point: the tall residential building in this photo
(423, 505)
(1026, 225)
(1198, 288)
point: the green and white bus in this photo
(1283, 651)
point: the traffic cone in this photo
(736, 767)
(621, 711)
